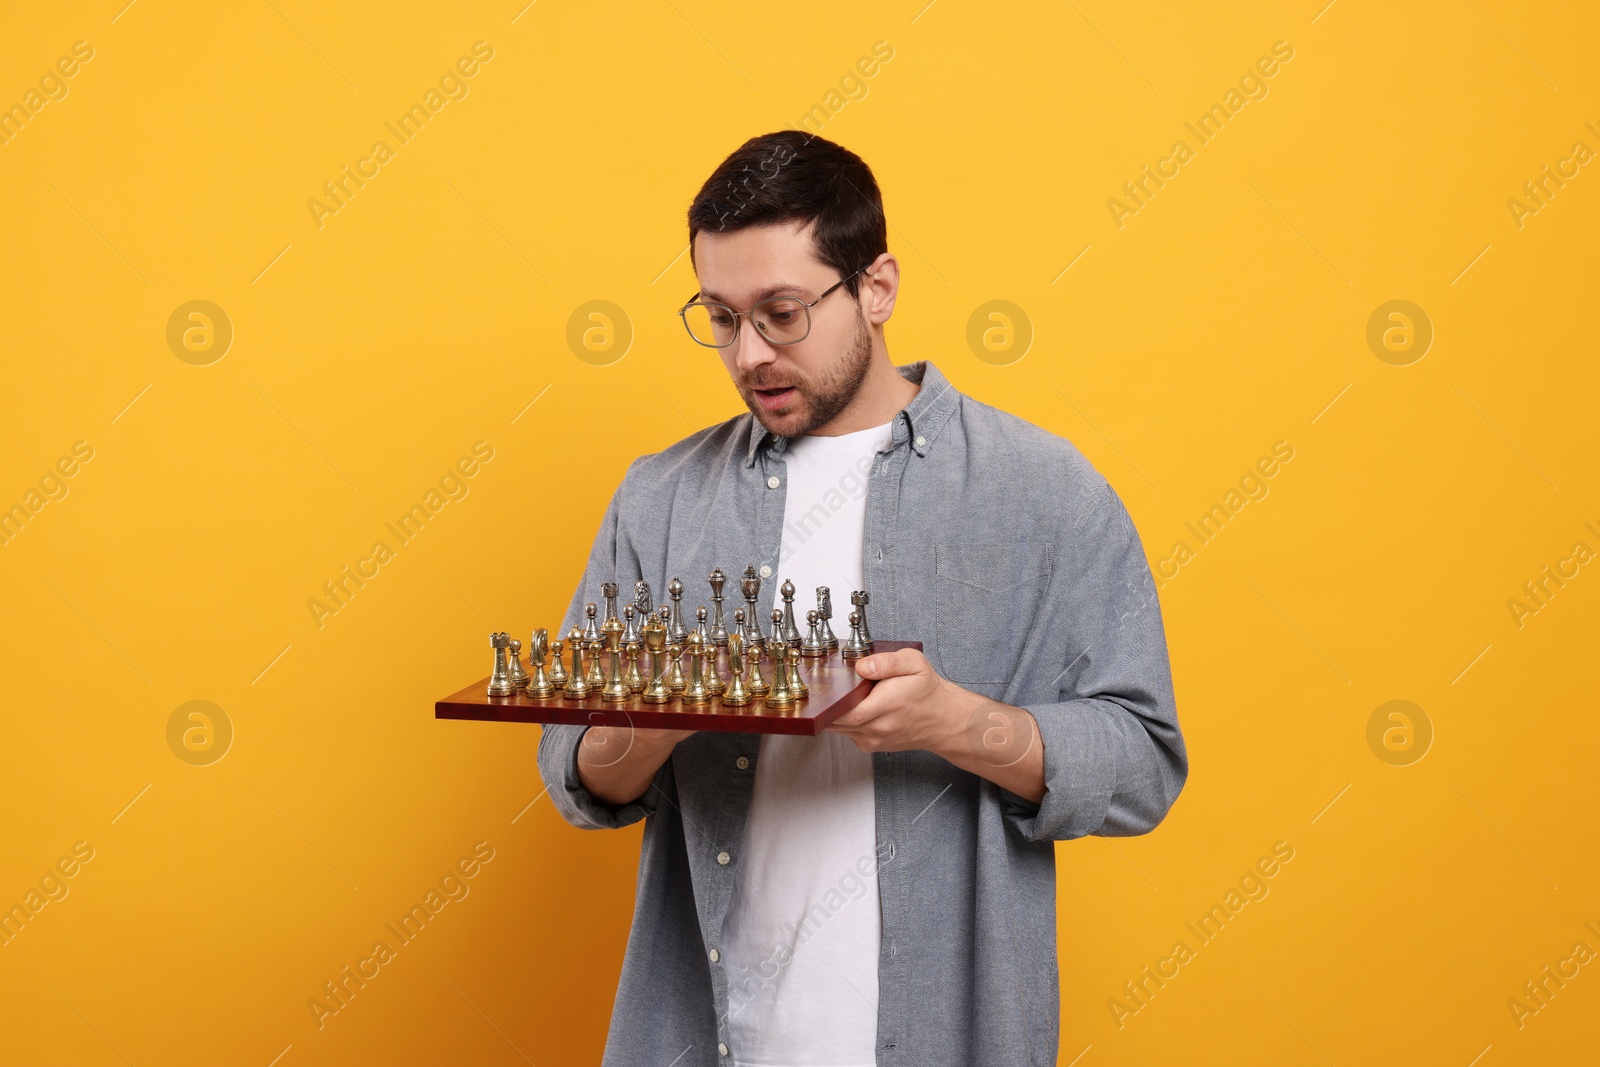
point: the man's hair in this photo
(793, 175)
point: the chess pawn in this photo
(539, 683)
(714, 681)
(797, 686)
(825, 613)
(700, 624)
(631, 677)
(750, 586)
(500, 684)
(655, 639)
(591, 632)
(780, 695)
(756, 684)
(558, 669)
(777, 628)
(790, 635)
(615, 690)
(519, 677)
(813, 645)
(719, 628)
(675, 630)
(854, 646)
(736, 695)
(675, 680)
(859, 598)
(696, 692)
(609, 591)
(630, 632)
(577, 686)
(596, 676)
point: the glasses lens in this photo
(783, 321)
(710, 324)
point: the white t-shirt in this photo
(800, 941)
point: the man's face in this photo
(792, 389)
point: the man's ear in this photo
(878, 291)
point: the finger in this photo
(901, 661)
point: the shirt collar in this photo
(919, 422)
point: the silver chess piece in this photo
(855, 646)
(642, 605)
(750, 586)
(813, 645)
(676, 634)
(790, 633)
(859, 598)
(700, 624)
(630, 616)
(500, 684)
(609, 591)
(825, 612)
(519, 677)
(719, 628)
(591, 631)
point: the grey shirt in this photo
(998, 546)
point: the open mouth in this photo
(772, 399)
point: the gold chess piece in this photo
(797, 686)
(631, 677)
(519, 677)
(696, 692)
(736, 695)
(675, 680)
(615, 690)
(757, 683)
(577, 686)
(780, 695)
(712, 674)
(655, 641)
(500, 684)
(596, 676)
(539, 683)
(558, 669)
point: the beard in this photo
(830, 394)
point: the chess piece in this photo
(500, 684)
(675, 630)
(750, 586)
(631, 676)
(757, 685)
(519, 677)
(714, 680)
(675, 680)
(641, 599)
(591, 632)
(630, 615)
(700, 624)
(859, 598)
(558, 669)
(577, 686)
(780, 695)
(609, 591)
(736, 695)
(596, 676)
(696, 692)
(655, 639)
(539, 682)
(825, 612)
(791, 635)
(854, 646)
(615, 690)
(719, 628)
(797, 686)
(813, 645)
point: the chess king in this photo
(885, 891)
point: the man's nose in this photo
(751, 348)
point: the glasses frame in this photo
(737, 315)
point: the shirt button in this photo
(723, 858)
(722, 1048)
(742, 762)
(715, 955)
(921, 440)
(772, 482)
(766, 571)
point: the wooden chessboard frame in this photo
(835, 689)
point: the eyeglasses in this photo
(782, 320)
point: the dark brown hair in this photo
(793, 175)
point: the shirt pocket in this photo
(986, 594)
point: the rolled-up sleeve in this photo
(559, 743)
(1114, 758)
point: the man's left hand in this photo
(910, 707)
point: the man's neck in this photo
(882, 395)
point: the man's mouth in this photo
(773, 398)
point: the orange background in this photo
(435, 309)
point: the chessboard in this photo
(834, 686)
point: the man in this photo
(883, 893)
